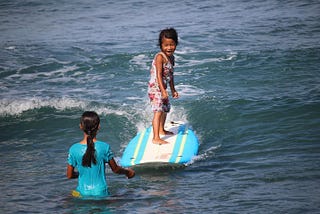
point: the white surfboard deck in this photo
(182, 147)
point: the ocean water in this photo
(248, 73)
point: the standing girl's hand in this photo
(175, 94)
(164, 95)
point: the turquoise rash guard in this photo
(92, 180)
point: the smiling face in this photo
(168, 46)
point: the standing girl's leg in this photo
(156, 125)
(162, 123)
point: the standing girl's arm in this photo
(159, 64)
(173, 90)
(119, 170)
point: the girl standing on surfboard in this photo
(161, 74)
(89, 157)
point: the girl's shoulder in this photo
(76, 146)
(101, 144)
(161, 56)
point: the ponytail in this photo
(90, 124)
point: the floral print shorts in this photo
(159, 104)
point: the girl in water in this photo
(89, 157)
(161, 74)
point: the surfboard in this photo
(182, 147)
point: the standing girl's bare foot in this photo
(159, 141)
(166, 133)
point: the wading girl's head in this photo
(89, 123)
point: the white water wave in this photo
(141, 61)
(48, 74)
(18, 106)
(192, 62)
(188, 90)
(210, 152)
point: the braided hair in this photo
(90, 122)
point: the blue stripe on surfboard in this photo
(191, 146)
(139, 151)
(138, 139)
(181, 150)
(177, 146)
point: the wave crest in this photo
(16, 107)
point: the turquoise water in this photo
(248, 76)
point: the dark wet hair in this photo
(169, 33)
(90, 122)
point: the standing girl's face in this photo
(168, 46)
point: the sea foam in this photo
(18, 106)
